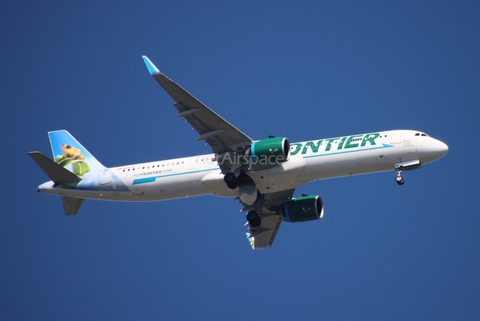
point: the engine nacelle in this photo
(302, 209)
(270, 151)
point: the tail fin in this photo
(69, 153)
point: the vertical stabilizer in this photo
(69, 153)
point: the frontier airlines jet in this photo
(261, 174)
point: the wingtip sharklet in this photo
(152, 69)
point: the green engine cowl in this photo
(302, 209)
(270, 151)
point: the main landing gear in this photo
(247, 190)
(231, 180)
(399, 179)
(254, 219)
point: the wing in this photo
(224, 138)
(216, 131)
(270, 212)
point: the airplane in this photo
(261, 174)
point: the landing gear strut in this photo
(231, 180)
(399, 178)
(254, 219)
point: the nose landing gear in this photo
(399, 179)
(405, 166)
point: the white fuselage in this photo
(310, 160)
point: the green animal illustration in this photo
(73, 156)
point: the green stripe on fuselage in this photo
(349, 151)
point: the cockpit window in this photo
(424, 134)
(417, 134)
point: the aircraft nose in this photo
(443, 148)
(439, 148)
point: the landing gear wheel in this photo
(231, 180)
(399, 177)
(399, 180)
(254, 219)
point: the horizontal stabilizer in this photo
(57, 173)
(71, 205)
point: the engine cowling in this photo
(270, 151)
(302, 209)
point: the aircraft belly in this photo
(171, 187)
(281, 177)
(336, 165)
(215, 183)
(161, 188)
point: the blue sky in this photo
(300, 69)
